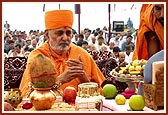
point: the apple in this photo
(69, 94)
(120, 99)
(136, 102)
(109, 91)
(8, 107)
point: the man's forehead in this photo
(64, 28)
(121, 54)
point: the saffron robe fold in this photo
(148, 22)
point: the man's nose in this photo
(65, 36)
(162, 13)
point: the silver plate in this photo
(123, 79)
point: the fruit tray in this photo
(123, 79)
(130, 79)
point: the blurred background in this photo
(26, 16)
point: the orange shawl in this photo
(148, 22)
(90, 67)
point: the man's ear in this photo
(46, 34)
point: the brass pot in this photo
(42, 98)
(13, 96)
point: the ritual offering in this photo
(43, 76)
(13, 96)
(69, 94)
(88, 89)
(42, 71)
(88, 98)
(131, 72)
(128, 93)
(109, 91)
(136, 102)
(27, 105)
(42, 98)
(120, 99)
(8, 107)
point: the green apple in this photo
(136, 102)
(109, 91)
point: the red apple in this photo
(8, 107)
(69, 94)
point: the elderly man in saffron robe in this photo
(73, 64)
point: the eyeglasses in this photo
(61, 32)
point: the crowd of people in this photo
(18, 43)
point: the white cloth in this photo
(117, 42)
(100, 46)
(128, 59)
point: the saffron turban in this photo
(58, 18)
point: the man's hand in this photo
(74, 70)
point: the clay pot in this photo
(42, 98)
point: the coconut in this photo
(43, 70)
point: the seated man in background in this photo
(150, 37)
(85, 45)
(17, 52)
(128, 54)
(116, 51)
(127, 42)
(121, 59)
(73, 64)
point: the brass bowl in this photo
(13, 96)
